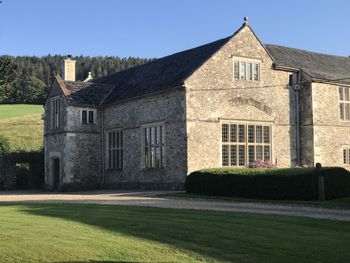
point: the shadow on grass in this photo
(218, 235)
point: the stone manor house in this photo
(226, 103)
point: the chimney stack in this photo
(68, 68)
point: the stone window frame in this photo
(245, 142)
(56, 112)
(346, 155)
(116, 148)
(88, 111)
(344, 103)
(245, 60)
(146, 155)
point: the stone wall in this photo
(77, 145)
(213, 96)
(331, 134)
(167, 108)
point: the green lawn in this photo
(23, 126)
(106, 233)
(18, 110)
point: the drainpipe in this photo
(102, 147)
(297, 132)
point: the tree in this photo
(8, 72)
(29, 90)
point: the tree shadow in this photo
(204, 233)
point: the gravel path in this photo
(152, 199)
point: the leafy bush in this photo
(4, 144)
(262, 164)
(287, 184)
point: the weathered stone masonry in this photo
(192, 93)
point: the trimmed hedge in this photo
(287, 184)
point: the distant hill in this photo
(34, 74)
(22, 125)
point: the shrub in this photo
(262, 164)
(4, 144)
(292, 184)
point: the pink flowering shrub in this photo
(262, 164)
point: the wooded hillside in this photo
(25, 79)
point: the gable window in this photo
(344, 103)
(244, 69)
(56, 109)
(115, 150)
(153, 146)
(87, 116)
(346, 156)
(243, 143)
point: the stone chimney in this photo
(68, 68)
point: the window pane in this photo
(113, 158)
(347, 94)
(249, 71)
(241, 133)
(251, 155)
(109, 159)
(109, 140)
(113, 140)
(121, 139)
(225, 155)
(157, 157)
(91, 117)
(243, 70)
(345, 159)
(233, 155)
(256, 72)
(152, 161)
(251, 133)
(163, 156)
(347, 109)
(241, 155)
(236, 70)
(158, 135)
(266, 134)
(341, 94)
(233, 133)
(84, 116)
(224, 133)
(162, 134)
(258, 134)
(146, 157)
(259, 152)
(152, 135)
(267, 153)
(341, 108)
(121, 160)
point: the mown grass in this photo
(18, 110)
(22, 125)
(106, 233)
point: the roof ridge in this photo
(308, 51)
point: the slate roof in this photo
(158, 75)
(171, 71)
(80, 93)
(316, 65)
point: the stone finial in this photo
(89, 77)
(245, 20)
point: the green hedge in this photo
(287, 184)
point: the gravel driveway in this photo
(152, 199)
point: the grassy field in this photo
(22, 125)
(106, 233)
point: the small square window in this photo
(83, 116)
(91, 116)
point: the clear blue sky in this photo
(154, 28)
